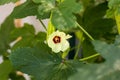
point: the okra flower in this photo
(58, 41)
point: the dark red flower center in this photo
(57, 39)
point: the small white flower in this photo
(58, 41)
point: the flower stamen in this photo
(57, 39)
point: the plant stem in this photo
(77, 51)
(85, 32)
(43, 24)
(117, 18)
(92, 56)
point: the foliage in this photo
(5, 30)
(2, 2)
(5, 69)
(40, 62)
(26, 9)
(104, 71)
(96, 28)
(62, 20)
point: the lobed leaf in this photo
(63, 16)
(26, 31)
(28, 8)
(94, 18)
(45, 8)
(41, 63)
(28, 35)
(94, 13)
(109, 70)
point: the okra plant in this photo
(88, 30)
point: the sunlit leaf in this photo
(113, 8)
(113, 3)
(46, 7)
(63, 16)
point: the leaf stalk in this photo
(43, 24)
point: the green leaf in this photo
(43, 1)
(113, 8)
(92, 14)
(109, 70)
(50, 29)
(117, 40)
(29, 37)
(59, 1)
(112, 76)
(88, 3)
(5, 69)
(5, 29)
(45, 8)
(113, 3)
(93, 18)
(37, 1)
(107, 50)
(30, 8)
(26, 9)
(2, 2)
(105, 24)
(63, 16)
(30, 41)
(41, 36)
(26, 31)
(88, 50)
(40, 63)
(99, 72)
(26, 42)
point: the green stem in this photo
(117, 18)
(43, 24)
(64, 55)
(73, 48)
(77, 51)
(85, 32)
(92, 56)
